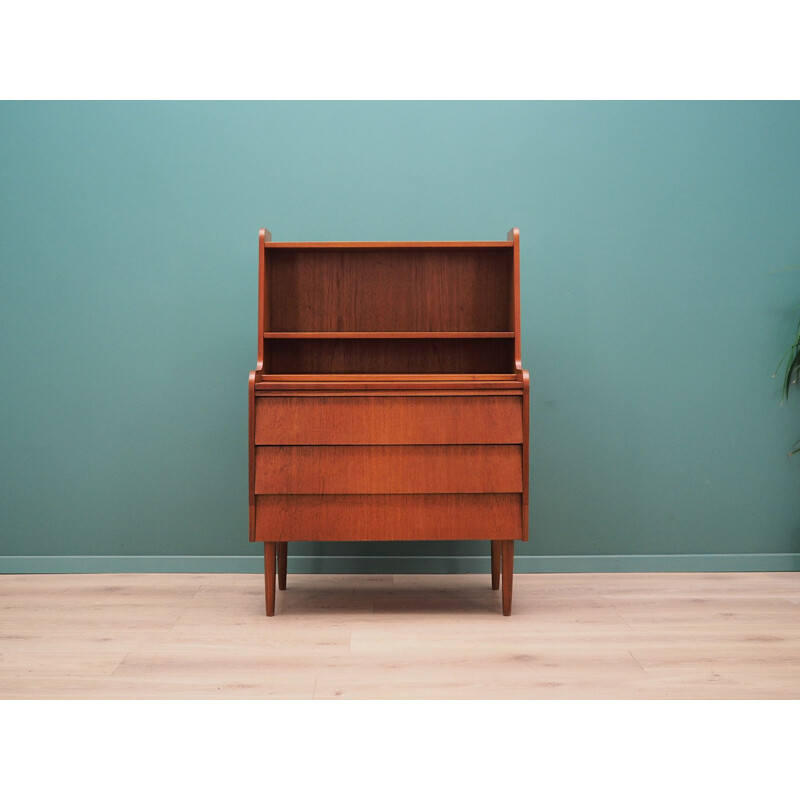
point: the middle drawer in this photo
(388, 469)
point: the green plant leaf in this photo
(793, 366)
(792, 357)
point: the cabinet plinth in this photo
(389, 401)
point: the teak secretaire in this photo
(389, 400)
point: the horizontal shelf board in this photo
(380, 390)
(398, 377)
(323, 387)
(389, 335)
(382, 245)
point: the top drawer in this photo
(484, 419)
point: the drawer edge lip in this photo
(383, 392)
(383, 443)
(383, 494)
(381, 386)
(494, 537)
(388, 494)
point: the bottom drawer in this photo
(387, 517)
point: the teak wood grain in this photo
(379, 517)
(507, 555)
(283, 560)
(389, 335)
(502, 380)
(389, 420)
(495, 563)
(461, 289)
(384, 245)
(391, 355)
(420, 384)
(388, 469)
(389, 400)
(344, 390)
(270, 550)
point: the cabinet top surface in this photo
(392, 245)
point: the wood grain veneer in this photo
(270, 549)
(388, 469)
(385, 245)
(391, 355)
(379, 517)
(389, 420)
(495, 563)
(375, 384)
(437, 289)
(389, 335)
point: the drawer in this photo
(388, 517)
(388, 469)
(485, 419)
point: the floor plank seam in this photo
(122, 661)
(637, 662)
(616, 611)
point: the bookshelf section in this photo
(388, 310)
(337, 356)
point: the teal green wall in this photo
(652, 320)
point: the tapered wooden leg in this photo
(269, 577)
(508, 575)
(283, 548)
(496, 558)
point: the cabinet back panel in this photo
(441, 289)
(401, 356)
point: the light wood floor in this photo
(719, 635)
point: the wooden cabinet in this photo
(389, 400)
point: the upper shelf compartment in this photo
(420, 288)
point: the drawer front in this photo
(388, 517)
(487, 419)
(388, 469)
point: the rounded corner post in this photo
(263, 237)
(513, 237)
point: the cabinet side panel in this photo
(513, 237)
(251, 451)
(526, 435)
